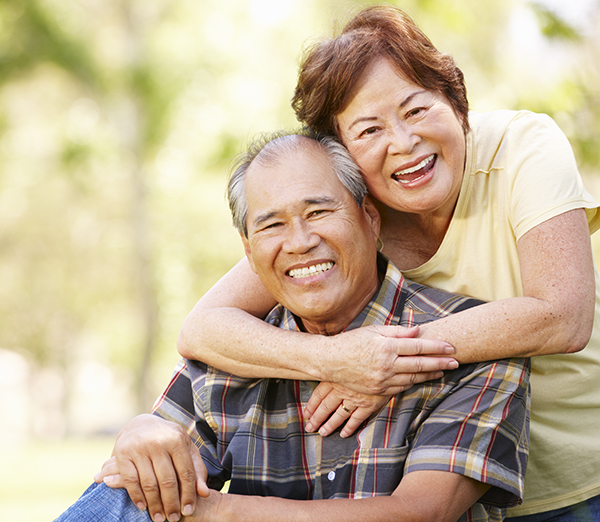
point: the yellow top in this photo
(520, 171)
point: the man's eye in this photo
(272, 225)
(315, 213)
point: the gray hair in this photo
(268, 148)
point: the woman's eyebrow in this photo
(403, 104)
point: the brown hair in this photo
(331, 69)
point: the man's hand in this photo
(162, 470)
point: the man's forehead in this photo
(296, 182)
(305, 162)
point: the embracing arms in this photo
(555, 315)
(556, 312)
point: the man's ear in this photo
(248, 251)
(372, 216)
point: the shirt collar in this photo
(381, 310)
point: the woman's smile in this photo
(415, 173)
(408, 142)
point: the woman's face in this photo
(408, 142)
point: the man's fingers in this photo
(161, 487)
(114, 481)
(131, 482)
(201, 473)
(185, 468)
(108, 468)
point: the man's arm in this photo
(422, 496)
(162, 470)
(156, 457)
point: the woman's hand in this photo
(334, 404)
(162, 470)
(386, 360)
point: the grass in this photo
(39, 480)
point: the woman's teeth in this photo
(411, 170)
(308, 271)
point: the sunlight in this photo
(270, 12)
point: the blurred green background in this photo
(118, 120)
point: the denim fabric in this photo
(100, 503)
(587, 511)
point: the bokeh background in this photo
(118, 121)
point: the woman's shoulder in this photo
(495, 124)
(499, 138)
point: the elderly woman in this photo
(489, 205)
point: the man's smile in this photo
(307, 271)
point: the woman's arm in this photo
(225, 330)
(555, 315)
(556, 312)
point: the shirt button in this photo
(331, 476)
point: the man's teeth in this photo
(308, 271)
(410, 170)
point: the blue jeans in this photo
(586, 511)
(100, 503)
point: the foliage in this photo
(118, 119)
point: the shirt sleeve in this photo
(480, 430)
(178, 404)
(541, 174)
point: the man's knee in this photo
(100, 503)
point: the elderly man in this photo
(452, 447)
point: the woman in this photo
(489, 205)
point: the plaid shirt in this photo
(473, 421)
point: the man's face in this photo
(313, 248)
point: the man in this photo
(431, 453)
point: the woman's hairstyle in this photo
(330, 70)
(267, 149)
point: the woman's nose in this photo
(402, 138)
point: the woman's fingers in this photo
(381, 360)
(333, 405)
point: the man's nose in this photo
(301, 238)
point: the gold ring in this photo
(345, 409)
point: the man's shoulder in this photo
(435, 302)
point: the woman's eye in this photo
(370, 130)
(415, 111)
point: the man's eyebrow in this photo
(319, 200)
(261, 218)
(404, 103)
